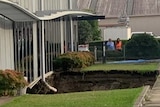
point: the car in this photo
(150, 33)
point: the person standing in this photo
(118, 44)
(110, 45)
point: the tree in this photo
(84, 32)
(88, 31)
(142, 46)
(96, 32)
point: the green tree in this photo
(88, 31)
(96, 32)
(84, 32)
(142, 46)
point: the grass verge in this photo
(140, 67)
(111, 98)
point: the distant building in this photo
(143, 15)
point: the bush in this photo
(73, 60)
(11, 80)
(142, 46)
(114, 55)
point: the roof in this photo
(111, 8)
(48, 15)
(17, 13)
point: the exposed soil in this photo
(97, 80)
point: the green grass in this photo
(133, 67)
(112, 98)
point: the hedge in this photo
(73, 61)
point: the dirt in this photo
(91, 81)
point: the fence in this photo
(109, 55)
(102, 54)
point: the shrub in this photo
(63, 63)
(11, 80)
(142, 46)
(73, 60)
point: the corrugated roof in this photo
(111, 8)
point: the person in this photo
(118, 44)
(110, 44)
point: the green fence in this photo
(97, 49)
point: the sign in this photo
(83, 47)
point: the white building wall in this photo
(34, 5)
(74, 4)
(144, 23)
(6, 45)
(31, 5)
(121, 32)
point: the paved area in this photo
(154, 97)
(5, 99)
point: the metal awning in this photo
(16, 13)
(80, 15)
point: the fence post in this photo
(104, 53)
(124, 52)
(95, 53)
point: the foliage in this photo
(88, 31)
(73, 60)
(84, 32)
(142, 46)
(96, 32)
(11, 80)
(112, 98)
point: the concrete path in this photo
(5, 99)
(154, 96)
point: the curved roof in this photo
(17, 13)
(65, 13)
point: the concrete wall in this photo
(138, 23)
(35, 5)
(6, 45)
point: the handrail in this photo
(37, 79)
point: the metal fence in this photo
(104, 55)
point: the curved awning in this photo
(65, 13)
(15, 12)
(78, 14)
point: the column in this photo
(35, 54)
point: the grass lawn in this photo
(111, 98)
(133, 67)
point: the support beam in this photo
(62, 36)
(71, 27)
(35, 54)
(43, 52)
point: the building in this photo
(143, 15)
(34, 32)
